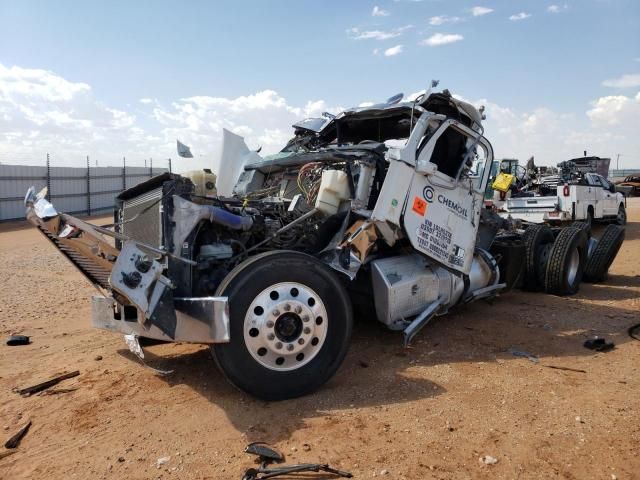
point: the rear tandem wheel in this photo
(566, 262)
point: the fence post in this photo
(124, 173)
(48, 179)
(88, 187)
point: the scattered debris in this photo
(568, 369)
(527, 355)
(28, 391)
(97, 358)
(133, 343)
(14, 340)
(264, 452)
(14, 441)
(306, 447)
(579, 419)
(488, 460)
(267, 455)
(599, 345)
(161, 461)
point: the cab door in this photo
(594, 195)
(610, 202)
(442, 211)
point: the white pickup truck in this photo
(592, 199)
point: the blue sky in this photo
(556, 77)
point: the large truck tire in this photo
(290, 325)
(586, 226)
(537, 240)
(567, 259)
(603, 254)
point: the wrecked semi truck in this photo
(381, 205)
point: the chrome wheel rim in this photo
(285, 326)
(574, 264)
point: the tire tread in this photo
(603, 255)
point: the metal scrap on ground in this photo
(14, 441)
(28, 391)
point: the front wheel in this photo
(290, 325)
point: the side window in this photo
(593, 180)
(449, 152)
(600, 182)
(476, 174)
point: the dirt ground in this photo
(430, 411)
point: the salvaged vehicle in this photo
(577, 192)
(379, 206)
(630, 186)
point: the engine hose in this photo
(228, 219)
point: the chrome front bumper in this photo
(199, 320)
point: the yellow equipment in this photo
(503, 182)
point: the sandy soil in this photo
(426, 412)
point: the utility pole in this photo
(169, 165)
(618, 163)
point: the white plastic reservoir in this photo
(334, 188)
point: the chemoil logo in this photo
(428, 193)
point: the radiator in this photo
(141, 218)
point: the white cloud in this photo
(615, 110)
(40, 110)
(606, 128)
(43, 112)
(390, 52)
(557, 8)
(356, 34)
(519, 16)
(442, 19)
(479, 11)
(625, 81)
(146, 101)
(379, 12)
(439, 39)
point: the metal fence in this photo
(623, 173)
(80, 190)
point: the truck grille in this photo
(147, 227)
